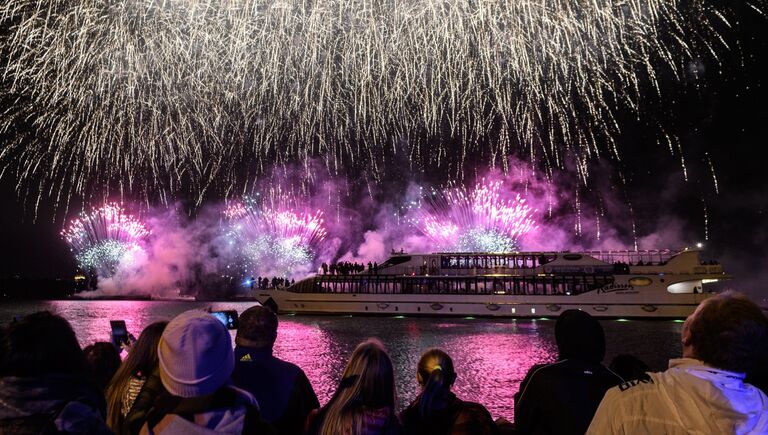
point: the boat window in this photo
(394, 261)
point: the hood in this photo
(23, 397)
(710, 400)
(222, 413)
(224, 421)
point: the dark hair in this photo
(102, 361)
(38, 344)
(579, 336)
(257, 327)
(141, 361)
(727, 331)
(436, 375)
(629, 367)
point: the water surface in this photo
(491, 355)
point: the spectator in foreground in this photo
(283, 391)
(196, 360)
(703, 392)
(364, 403)
(133, 375)
(43, 383)
(102, 359)
(437, 411)
(561, 398)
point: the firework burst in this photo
(273, 239)
(171, 96)
(480, 220)
(104, 238)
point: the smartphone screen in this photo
(227, 317)
(119, 332)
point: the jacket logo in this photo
(629, 384)
(246, 357)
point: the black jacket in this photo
(453, 416)
(283, 391)
(561, 398)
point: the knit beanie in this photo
(195, 353)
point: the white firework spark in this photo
(163, 97)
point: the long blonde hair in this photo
(142, 359)
(368, 383)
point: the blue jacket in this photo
(283, 391)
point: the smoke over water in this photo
(289, 232)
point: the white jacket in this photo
(689, 398)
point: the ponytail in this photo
(437, 375)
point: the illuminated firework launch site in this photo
(181, 143)
(285, 237)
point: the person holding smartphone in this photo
(136, 384)
(121, 338)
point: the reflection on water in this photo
(491, 356)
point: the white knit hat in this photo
(195, 353)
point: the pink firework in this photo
(235, 210)
(277, 239)
(480, 220)
(104, 237)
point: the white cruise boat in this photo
(632, 284)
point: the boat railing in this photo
(640, 257)
(480, 284)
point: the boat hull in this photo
(506, 306)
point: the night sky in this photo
(721, 114)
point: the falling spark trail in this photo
(198, 97)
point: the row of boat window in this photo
(490, 261)
(531, 285)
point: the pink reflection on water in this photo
(491, 356)
(309, 347)
(90, 320)
(491, 366)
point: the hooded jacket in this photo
(689, 398)
(51, 404)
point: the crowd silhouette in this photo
(264, 283)
(186, 377)
(349, 268)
